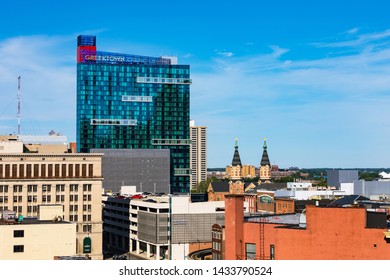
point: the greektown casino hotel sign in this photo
(93, 56)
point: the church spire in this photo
(265, 158)
(236, 157)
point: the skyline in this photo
(311, 78)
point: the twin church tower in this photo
(237, 171)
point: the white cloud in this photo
(352, 31)
(225, 53)
(359, 41)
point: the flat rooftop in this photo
(31, 221)
(284, 219)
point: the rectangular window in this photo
(36, 170)
(21, 170)
(63, 171)
(90, 170)
(87, 187)
(272, 251)
(77, 170)
(18, 233)
(57, 170)
(84, 170)
(70, 170)
(250, 251)
(7, 171)
(28, 171)
(87, 228)
(14, 170)
(18, 248)
(43, 170)
(50, 170)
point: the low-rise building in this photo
(331, 233)
(41, 238)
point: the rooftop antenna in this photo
(19, 106)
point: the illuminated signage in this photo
(88, 54)
(104, 58)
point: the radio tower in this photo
(19, 106)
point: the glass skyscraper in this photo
(134, 102)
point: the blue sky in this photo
(311, 76)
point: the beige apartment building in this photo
(42, 238)
(28, 180)
(198, 154)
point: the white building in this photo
(41, 238)
(299, 186)
(198, 154)
(164, 227)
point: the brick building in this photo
(332, 233)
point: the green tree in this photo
(203, 186)
(368, 176)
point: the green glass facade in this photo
(133, 102)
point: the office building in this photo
(134, 102)
(116, 225)
(28, 180)
(336, 177)
(146, 169)
(198, 154)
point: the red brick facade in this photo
(330, 234)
